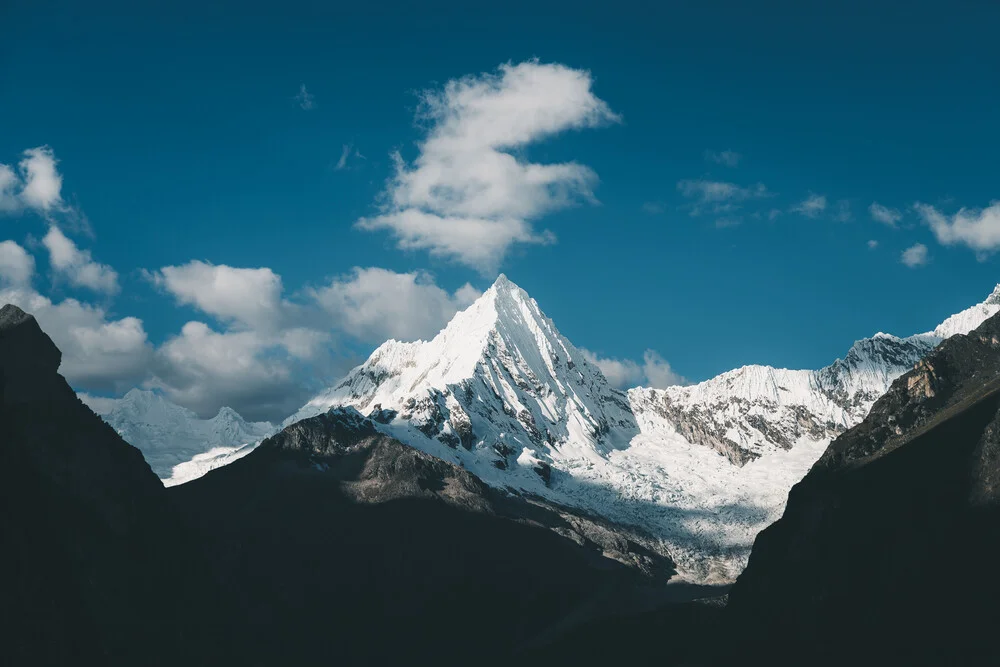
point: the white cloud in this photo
(204, 370)
(347, 155)
(884, 214)
(305, 99)
(718, 191)
(36, 185)
(98, 351)
(811, 206)
(621, 373)
(658, 372)
(719, 197)
(374, 304)
(42, 182)
(76, 265)
(16, 266)
(727, 158)
(251, 297)
(654, 371)
(468, 196)
(978, 229)
(872, 244)
(9, 184)
(914, 256)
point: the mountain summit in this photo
(499, 389)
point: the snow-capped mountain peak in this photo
(497, 381)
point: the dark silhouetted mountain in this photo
(90, 569)
(886, 551)
(347, 545)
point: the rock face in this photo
(170, 436)
(884, 553)
(83, 521)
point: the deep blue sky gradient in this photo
(178, 136)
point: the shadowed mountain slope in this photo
(886, 551)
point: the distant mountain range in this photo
(500, 392)
(177, 444)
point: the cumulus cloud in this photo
(251, 297)
(36, 185)
(375, 304)
(914, 256)
(658, 372)
(204, 370)
(726, 158)
(469, 195)
(263, 359)
(872, 244)
(98, 351)
(884, 214)
(16, 266)
(42, 183)
(812, 206)
(978, 229)
(654, 371)
(76, 265)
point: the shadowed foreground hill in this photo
(887, 551)
(89, 544)
(330, 543)
(348, 545)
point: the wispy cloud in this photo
(842, 212)
(76, 265)
(654, 371)
(978, 229)
(652, 207)
(884, 214)
(305, 99)
(347, 154)
(469, 195)
(914, 256)
(872, 244)
(719, 198)
(727, 157)
(812, 206)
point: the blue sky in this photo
(694, 132)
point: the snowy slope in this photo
(174, 439)
(703, 468)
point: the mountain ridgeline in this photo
(889, 542)
(487, 495)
